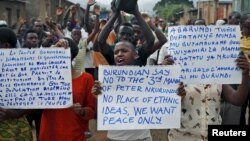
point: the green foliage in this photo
(168, 8)
(164, 2)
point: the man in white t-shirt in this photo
(125, 54)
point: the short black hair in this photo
(127, 43)
(244, 17)
(202, 20)
(233, 14)
(8, 36)
(76, 28)
(27, 32)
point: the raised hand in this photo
(78, 109)
(181, 91)
(96, 89)
(73, 9)
(243, 64)
(59, 11)
(168, 60)
(146, 17)
(91, 2)
(62, 43)
(50, 23)
(97, 9)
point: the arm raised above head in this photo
(146, 30)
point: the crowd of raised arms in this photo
(118, 40)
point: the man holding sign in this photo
(124, 54)
(125, 95)
(70, 123)
(245, 46)
(205, 62)
(13, 124)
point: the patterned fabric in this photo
(245, 46)
(80, 58)
(15, 130)
(65, 124)
(159, 134)
(200, 108)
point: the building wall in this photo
(32, 9)
(212, 10)
(43, 8)
(223, 10)
(242, 6)
(207, 11)
(236, 5)
(54, 4)
(10, 11)
(187, 15)
(246, 5)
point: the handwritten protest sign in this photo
(206, 54)
(138, 97)
(35, 78)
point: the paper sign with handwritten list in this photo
(206, 54)
(139, 97)
(35, 78)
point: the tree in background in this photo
(167, 9)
